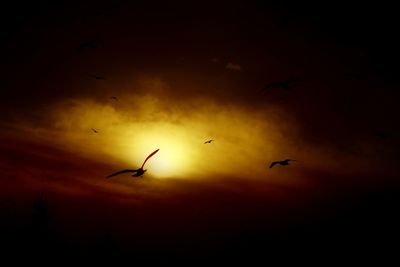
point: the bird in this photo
(383, 135)
(114, 98)
(86, 45)
(281, 84)
(96, 77)
(137, 172)
(94, 130)
(283, 162)
(208, 142)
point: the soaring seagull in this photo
(208, 142)
(96, 77)
(86, 45)
(94, 130)
(114, 98)
(283, 162)
(281, 84)
(137, 172)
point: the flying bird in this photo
(86, 45)
(283, 162)
(96, 77)
(94, 130)
(383, 135)
(208, 142)
(114, 98)
(281, 84)
(137, 172)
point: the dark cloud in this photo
(233, 66)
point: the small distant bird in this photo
(384, 135)
(282, 84)
(137, 172)
(283, 162)
(96, 77)
(114, 98)
(94, 130)
(86, 45)
(208, 142)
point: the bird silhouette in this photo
(283, 162)
(281, 84)
(208, 142)
(114, 98)
(137, 172)
(86, 45)
(383, 135)
(96, 77)
(94, 130)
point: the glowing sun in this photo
(171, 160)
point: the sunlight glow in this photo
(171, 160)
(244, 140)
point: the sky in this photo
(185, 73)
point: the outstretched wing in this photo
(96, 77)
(270, 85)
(85, 45)
(123, 171)
(149, 156)
(273, 164)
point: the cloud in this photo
(128, 131)
(233, 66)
(247, 138)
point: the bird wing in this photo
(270, 85)
(86, 45)
(149, 156)
(123, 171)
(96, 77)
(273, 164)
